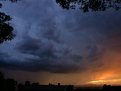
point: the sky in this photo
(55, 45)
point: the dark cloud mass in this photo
(49, 38)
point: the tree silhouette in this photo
(6, 30)
(27, 83)
(2, 80)
(90, 5)
(10, 85)
(14, 0)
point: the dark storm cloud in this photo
(44, 62)
(55, 40)
(48, 57)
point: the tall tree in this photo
(6, 30)
(90, 5)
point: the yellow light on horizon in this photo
(110, 81)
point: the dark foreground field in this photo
(12, 85)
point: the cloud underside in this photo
(54, 40)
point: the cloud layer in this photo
(51, 39)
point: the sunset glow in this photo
(106, 77)
(110, 81)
